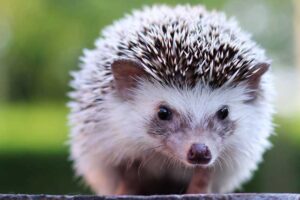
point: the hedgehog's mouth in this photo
(189, 164)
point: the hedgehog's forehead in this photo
(183, 55)
(198, 102)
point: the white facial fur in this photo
(200, 103)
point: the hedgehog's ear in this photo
(126, 75)
(254, 80)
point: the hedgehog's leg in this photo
(119, 180)
(108, 182)
(129, 182)
(126, 187)
(200, 182)
(103, 181)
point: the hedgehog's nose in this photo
(199, 154)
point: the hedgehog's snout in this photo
(199, 154)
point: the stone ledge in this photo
(240, 196)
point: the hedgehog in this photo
(172, 100)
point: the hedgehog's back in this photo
(181, 46)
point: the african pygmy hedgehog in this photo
(171, 100)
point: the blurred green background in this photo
(41, 41)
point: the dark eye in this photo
(223, 113)
(164, 113)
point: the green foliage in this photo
(38, 173)
(33, 127)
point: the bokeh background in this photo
(41, 41)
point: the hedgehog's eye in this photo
(223, 113)
(164, 113)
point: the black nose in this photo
(199, 154)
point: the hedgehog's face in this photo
(192, 125)
(196, 138)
